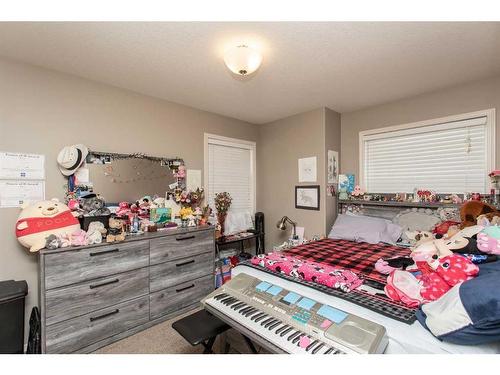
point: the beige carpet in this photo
(163, 339)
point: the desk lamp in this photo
(281, 225)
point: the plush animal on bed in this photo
(38, 221)
(434, 277)
(471, 210)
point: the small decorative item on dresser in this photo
(115, 231)
(222, 203)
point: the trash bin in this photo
(12, 295)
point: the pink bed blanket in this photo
(323, 274)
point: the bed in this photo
(406, 335)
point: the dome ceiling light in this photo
(242, 59)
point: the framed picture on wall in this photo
(307, 197)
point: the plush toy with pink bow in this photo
(435, 274)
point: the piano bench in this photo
(202, 328)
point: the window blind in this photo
(230, 169)
(446, 158)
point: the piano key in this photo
(273, 326)
(285, 326)
(251, 312)
(315, 350)
(311, 345)
(286, 331)
(225, 299)
(239, 306)
(233, 303)
(229, 301)
(267, 325)
(220, 296)
(297, 338)
(293, 335)
(243, 311)
(257, 316)
(329, 351)
(260, 318)
(266, 321)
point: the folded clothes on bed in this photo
(333, 277)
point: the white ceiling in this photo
(344, 66)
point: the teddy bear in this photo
(38, 221)
(95, 232)
(53, 242)
(93, 205)
(115, 231)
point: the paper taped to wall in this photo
(13, 193)
(17, 165)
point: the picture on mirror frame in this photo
(307, 197)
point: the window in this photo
(448, 155)
(230, 166)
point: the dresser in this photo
(91, 296)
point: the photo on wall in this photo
(333, 166)
(307, 197)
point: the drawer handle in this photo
(184, 263)
(104, 283)
(186, 288)
(104, 252)
(185, 238)
(94, 318)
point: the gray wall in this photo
(332, 142)
(484, 94)
(42, 110)
(281, 143)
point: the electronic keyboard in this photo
(283, 321)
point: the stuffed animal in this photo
(448, 272)
(95, 232)
(488, 240)
(53, 242)
(78, 238)
(418, 237)
(93, 205)
(41, 219)
(115, 231)
(123, 209)
(443, 228)
(436, 275)
(471, 210)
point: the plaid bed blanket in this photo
(359, 257)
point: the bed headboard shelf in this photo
(397, 204)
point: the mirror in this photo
(122, 177)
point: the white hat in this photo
(71, 157)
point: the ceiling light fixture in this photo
(242, 59)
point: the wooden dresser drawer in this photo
(70, 267)
(175, 298)
(181, 245)
(167, 274)
(83, 298)
(74, 334)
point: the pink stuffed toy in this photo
(78, 238)
(438, 274)
(448, 272)
(488, 241)
(123, 209)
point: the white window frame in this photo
(414, 127)
(232, 142)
